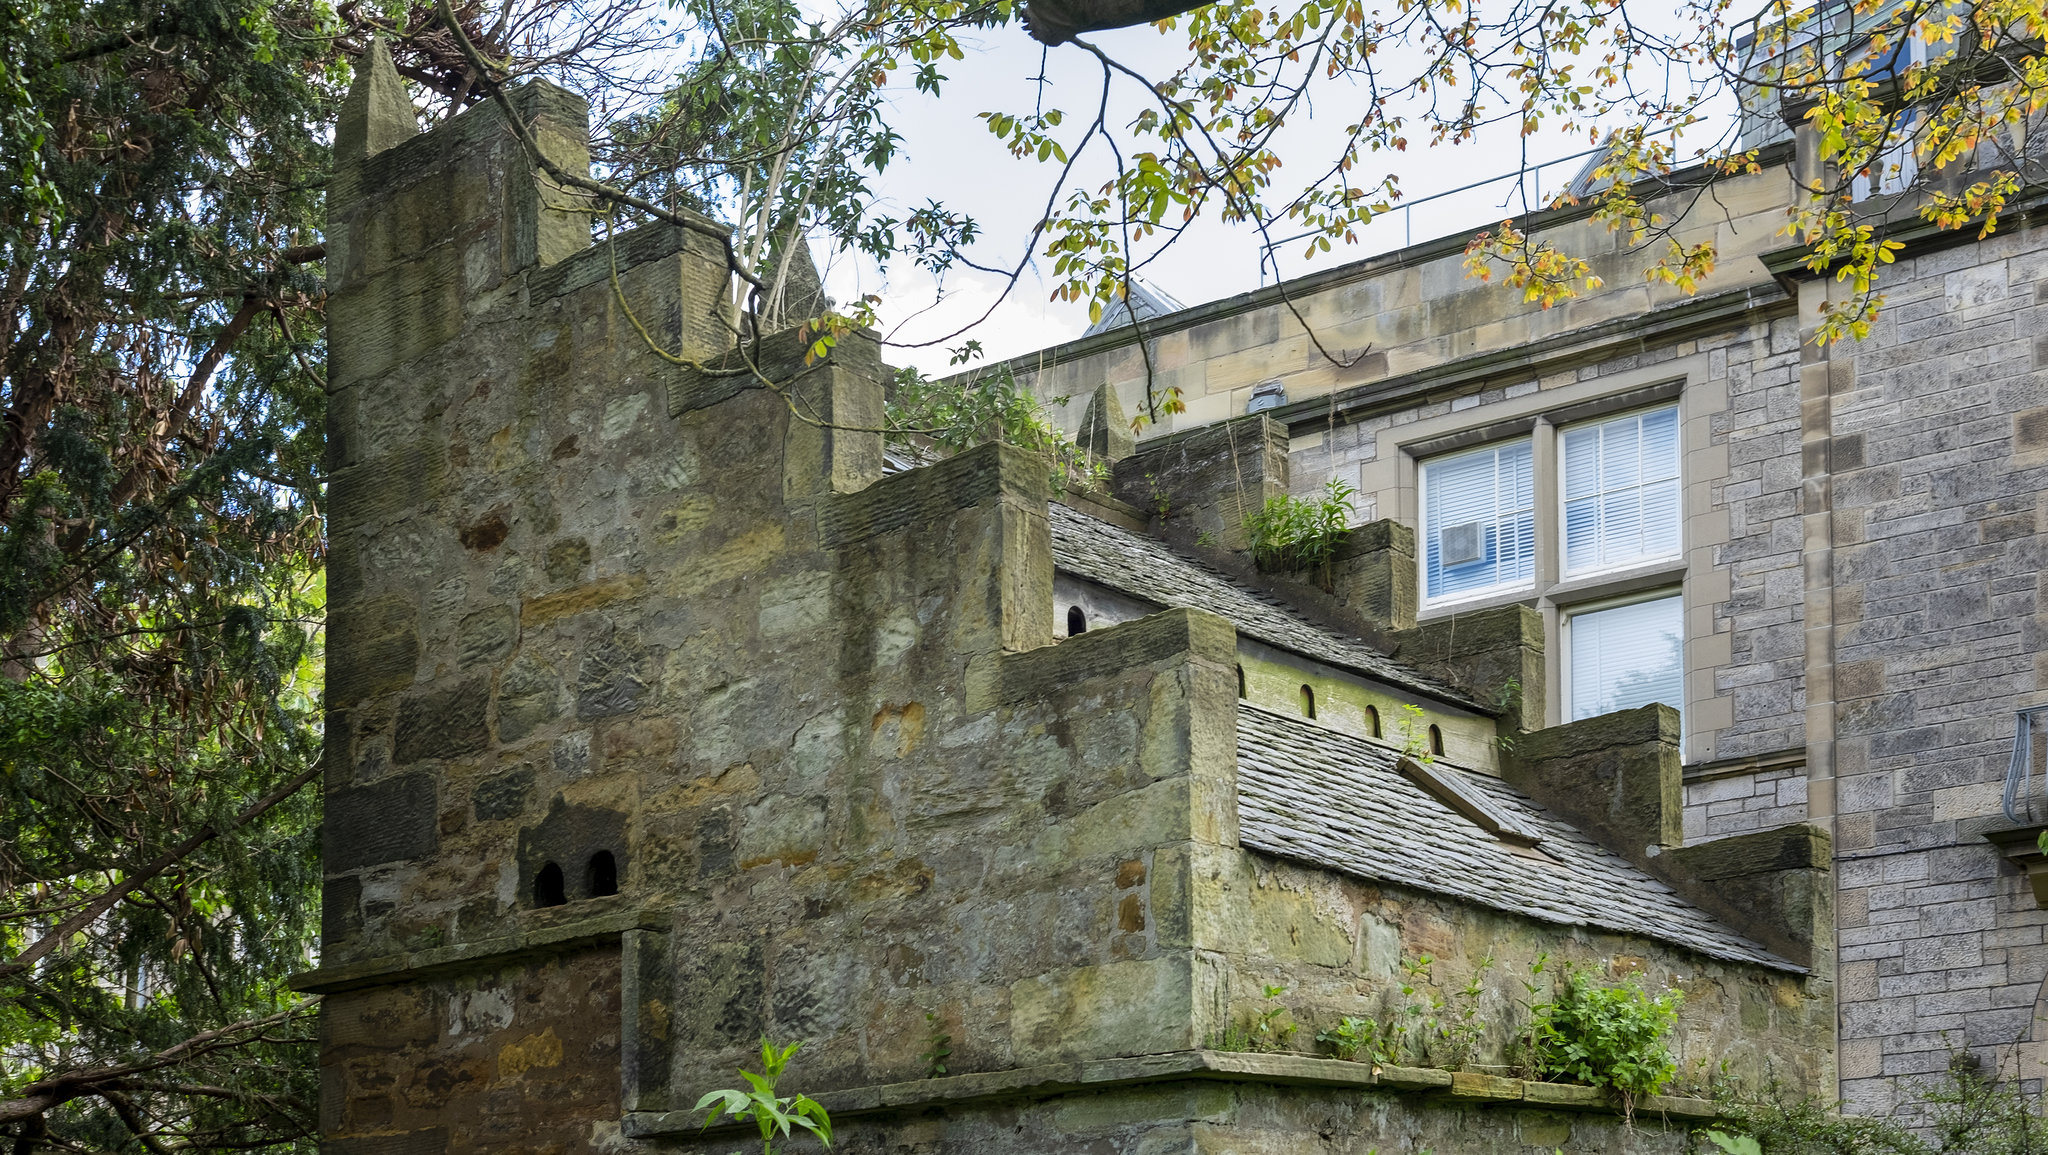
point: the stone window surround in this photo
(1393, 476)
(1561, 686)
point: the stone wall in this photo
(1864, 533)
(1387, 320)
(1881, 540)
(1255, 1105)
(1738, 394)
(1744, 801)
(1442, 360)
(1343, 947)
(1936, 465)
(519, 1057)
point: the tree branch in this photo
(202, 373)
(40, 1097)
(85, 917)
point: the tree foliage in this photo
(956, 414)
(161, 392)
(159, 553)
(779, 122)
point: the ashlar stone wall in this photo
(1937, 465)
(1737, 393)
(1386, 320)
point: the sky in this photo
(948, 155)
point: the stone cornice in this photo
(1462, 1087)
(2028, 210)
(1608, 339)
(481, 954)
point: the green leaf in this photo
(1734, 1144)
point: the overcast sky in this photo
(950, 156)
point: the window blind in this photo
(1627, 656)
(1621, 491)
(1479, 525)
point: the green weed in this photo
(774, 1114)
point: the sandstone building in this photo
(1838, 551)
(667, 712)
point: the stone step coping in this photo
(547, 938)
(1466, 1087)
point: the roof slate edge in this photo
(1761, 957)
(1418, 682)
(1755, 954)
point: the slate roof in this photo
(1328, 799)
(1147, 569)
(1146, 301)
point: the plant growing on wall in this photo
(956, 414)
(1302, 534)
(1415, 734)
(1603, 1035)
(1264, 1030)
(1438, 1031)
(776, 1115)
(1361, 1040)
(941, 1047)
(1964, 1111)
(1458, 1025)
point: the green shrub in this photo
(1292, 533)
(1604, 1036)
(1961, 1113)
(955, 414)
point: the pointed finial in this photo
(377, 112)
(1105, 430)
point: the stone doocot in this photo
(661, 719)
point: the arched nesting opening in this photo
(602, 875)
(547, 886)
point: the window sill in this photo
(1616, 583)
(1431, 611)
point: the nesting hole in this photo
(1372, 720)
(603, 874)
(1308, 701)
(547, 886)
(1436, 741)
(1077, 621)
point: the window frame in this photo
(1498, 591)
(1565, 615)
(1565, 575)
